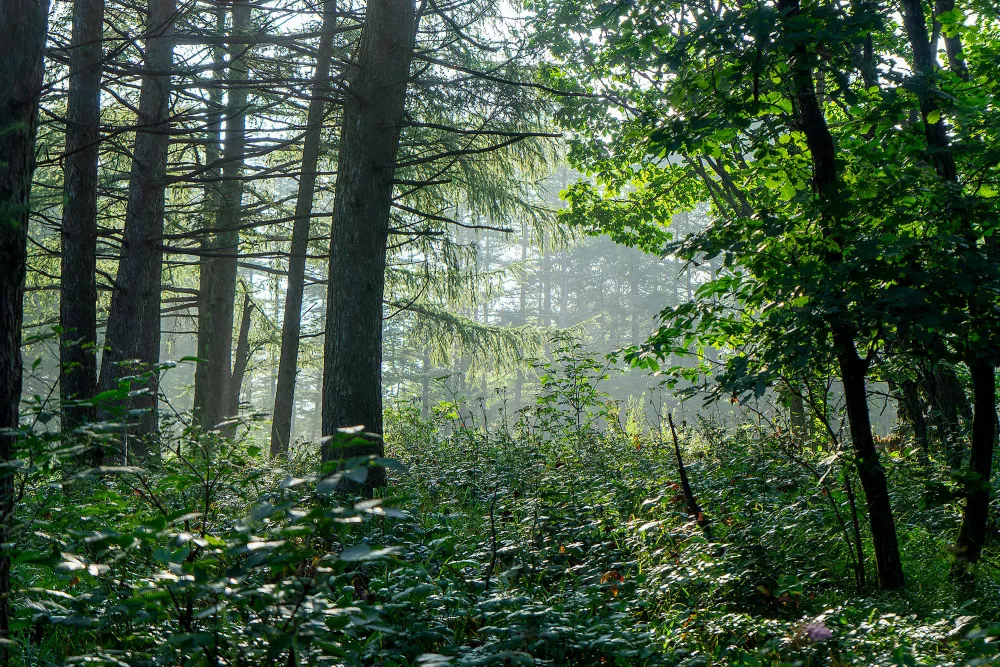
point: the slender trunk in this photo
(546, 314)
(369, 140)
(78, 283)
(281, 424)
(694, 509)
(22, 23)
(522, 318)
(425, 385)
(948, 402)
(133, 331)
(859, 546)
(241, 358)
(634, 300)
(913, 408)
(972, 534)
(217, 292)
(952, 43)
(852, 367)
(870, 471)
(797, 413)
(564, 289)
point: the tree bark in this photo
(522, 315)
(972, 533)
(78, 275)
(913, 407)
(23, 25)
(853, 368)
(369, 139)
(217, 291)
(133, 331)
(291, 325)
(241, 359)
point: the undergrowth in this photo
(556, 536)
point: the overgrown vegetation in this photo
(558, 535)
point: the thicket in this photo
(561, 534)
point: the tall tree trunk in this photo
(974, 519)
(972, 533)
(133, 331)
(546, 284)
(78, 276)
(425, 385)
(522, 315)
(948, 401)
(369, 139)
(241, 358)
(634, 300)
(797, 413)
(853, 368)
(913, 408)
(23, 25)
(291, 325)
(217, 290)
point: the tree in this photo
(369, 139)
(22, 23)
(78, 293)
(217, 285)
(133, 331)
(281, 424)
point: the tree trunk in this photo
(23, 25)
(913, 408)
(241, 359)
(369, 139)
(546, 284)
(133, 332)
(425, 386)
(217, 290)
(870, 472)
(522, 315)
(78, 276)
(634, 282)
(948, 402)
(972, 534)
(291, 325)
(852, 367)
(797, 413)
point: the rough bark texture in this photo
(217, 285)
(948, 402)
(291, 325)
(373, 115)
(78, 277)
(972, 534)
(22, 23)
(913, 408)
(133, 332)
(852, 367)
(975, 517)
